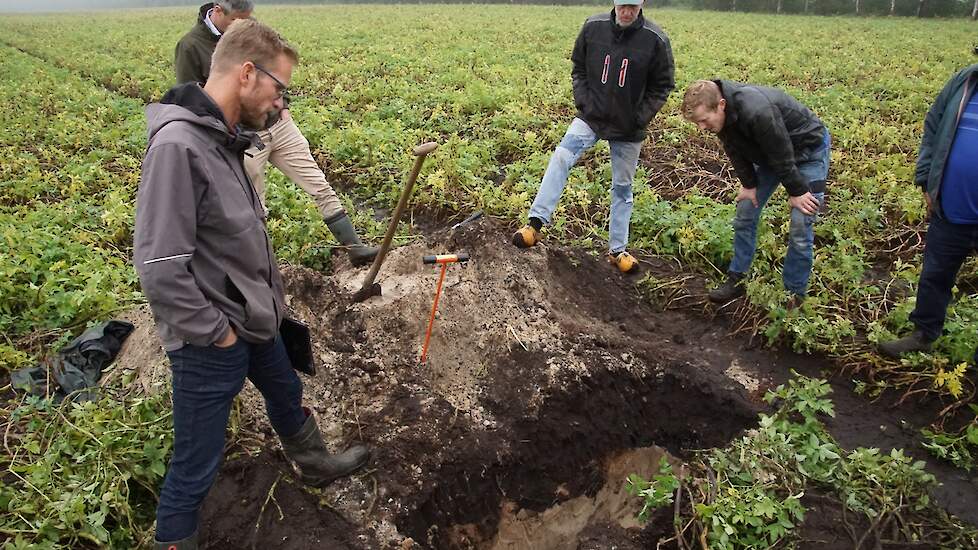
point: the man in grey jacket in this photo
(206, 265)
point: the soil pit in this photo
(548, 382)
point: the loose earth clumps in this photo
(549, 381)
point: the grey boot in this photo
(916, 341)
(317, 467)
(342, 228)
(189, 543)
(732, 288)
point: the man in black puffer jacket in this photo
(623, 74)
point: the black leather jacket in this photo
(766, 126)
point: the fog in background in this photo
(34, 6)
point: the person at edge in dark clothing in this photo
(771, 139)
(206, 265)
(947, 175)
(623, 73)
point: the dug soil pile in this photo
(549, 381)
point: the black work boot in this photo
(732, 288)
(317, 467)
(189, 543)
(342, 228)
(915, 341)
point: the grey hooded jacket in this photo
(202, 251)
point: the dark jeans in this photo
(948, 245)
(205, 381)
(814, 166)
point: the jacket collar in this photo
(210, 24)
(730, 110)
(193, 98)
(619, 31)
(204, 25)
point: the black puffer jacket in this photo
(768, 127)
(621, 77)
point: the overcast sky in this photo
(76, 5)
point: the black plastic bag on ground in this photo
(78, 365)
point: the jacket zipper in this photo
(255, 203)
(964, 102)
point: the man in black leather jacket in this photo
(771, 138)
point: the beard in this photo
(256, 119)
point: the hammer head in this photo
(369, 291)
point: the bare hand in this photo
(930, 205)
(230, 338)
(807, 203)
(747, 194)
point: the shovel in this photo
(370, 288)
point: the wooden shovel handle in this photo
(420, 152)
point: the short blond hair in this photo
(249, 40)
(702, 93)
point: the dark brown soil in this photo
(826, 525)
(256, 503)
(544, 363)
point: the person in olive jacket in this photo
(771, 139)
(282, 143)
(192, 56)
(623, 73)
(947, 175)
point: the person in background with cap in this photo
(623, 73)
(282, 142)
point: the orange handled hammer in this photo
(444, 260)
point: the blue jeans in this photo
(814, 166)
(624, 161)
(948, 245)
(205, 382)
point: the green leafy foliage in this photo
(749, 495)
(84, 474)
(657, 492)
(960, 448)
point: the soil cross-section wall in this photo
(546, 374)
(539, 371)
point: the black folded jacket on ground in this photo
(77, 366)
